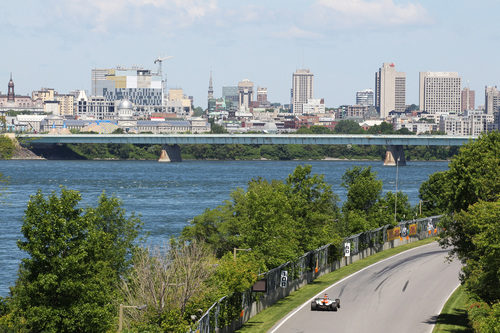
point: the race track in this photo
(404, 293)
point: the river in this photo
(165, 195)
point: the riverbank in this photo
(228, 152)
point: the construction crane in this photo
(159, 61)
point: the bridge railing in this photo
(231, 312)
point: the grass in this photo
(453, 317)
(263, 321)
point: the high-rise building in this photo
(390, 90)
(245, 93)
(364, 97)
(491, 100)
(262, 95)
(302, 89)
(140, 86)
(467, 100)
(440, 92)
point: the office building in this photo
(179, 104)
(314, 106)
(245, 95)
(140, 86)
(95, 107)
(262, 96)
(491, 100)
(390, 90)
(66, 104)
(302, 89)
(467, 100)
(364, 97)
(440, 92)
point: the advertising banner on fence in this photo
(392, 234)
(413, 229)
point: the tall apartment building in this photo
(302, 89)
(491, 100)
(390, 90)
(470, 123)
(440, 92)
(468, 100)
(364, 97)
(262, 95)
(66, 104)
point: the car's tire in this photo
(334, 308)
(337, 300)
(313, 306)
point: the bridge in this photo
(171, 142)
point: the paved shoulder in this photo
(400, 294)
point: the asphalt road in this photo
(404, 293)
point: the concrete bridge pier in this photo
(170, 153)
(393, 153)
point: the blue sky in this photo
(56, 43)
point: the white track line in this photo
(333, 285)
(442, 306)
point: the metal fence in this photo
(227, 314)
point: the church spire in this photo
(11, 96)
(210, 87)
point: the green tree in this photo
(481, 230)
(474, 173)
(363, 189)
(432, 195)
(348, 127)
(68, 282)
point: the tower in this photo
(11, 96)
(302, 89)
(210, 87)
(440, 92)
(390, 90)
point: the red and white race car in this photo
(325, 303)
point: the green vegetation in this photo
(116, 151)
(453, 317)
(6, 147)
(469, 192)
(76, 259)
(270, 316)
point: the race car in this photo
(325, 304)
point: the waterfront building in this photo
(66, 104)
(390, 90)
(178, 103)
(302, 89)
(314, 106)
(245, 95)
(470, 123)
(95, 107)
(364, 97)
(138, 85)
(14, 102)
(440, 92)
(491, 100)
(467, 100)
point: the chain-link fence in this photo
(223, 314)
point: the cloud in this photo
(106, 15)
(295, 32)
(375, 13)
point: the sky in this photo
(56, 43)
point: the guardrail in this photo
(232, 311)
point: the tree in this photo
(473, 173)
(348, 127)
(363, 189)
(76, 257)
(481, 254)
(432, 195)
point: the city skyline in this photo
(57, 44)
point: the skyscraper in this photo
(302, 89)
(390, 90)
(440, 92)
(245, 92)
(491, 100)
(468, 100)
(364, 97)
